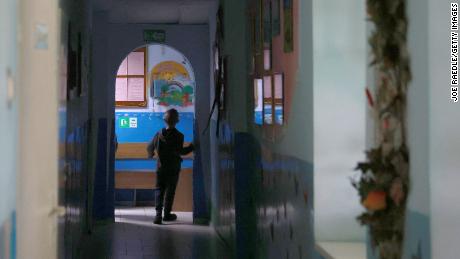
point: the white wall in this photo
(418, 108)
(8, 113)
(433, 221)
(339, 116)
(418, 208)
(38, 109)
(444, 138)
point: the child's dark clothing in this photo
(168, 143)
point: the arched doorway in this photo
(108, 55)
(150, 80)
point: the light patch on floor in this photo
(143, 216)
(133, 235)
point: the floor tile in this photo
(134, 235)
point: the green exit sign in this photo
(127, 122)
(154, 36)
(124, 122)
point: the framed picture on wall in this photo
(268, 100)
(267, 34)
(267, 59)
(258, 27)
(258, 101)
(288, 26)
(267, 22)
(278, 80)
(276, 18)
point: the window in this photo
(131, 81)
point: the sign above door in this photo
(158, 36)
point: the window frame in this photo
(134, 104)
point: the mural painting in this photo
(173, 85)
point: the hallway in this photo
(317, 129)
(134, 236)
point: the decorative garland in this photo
(383, 183)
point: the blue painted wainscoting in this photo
(266, 200)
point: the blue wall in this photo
(148, 124)
(339, 116)
(264, 202)
(270, 195)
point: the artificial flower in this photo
(397, 192)
(375, 200)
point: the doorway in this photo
(150, 80)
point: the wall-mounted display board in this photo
(131, 83)
(267, 23)
(276, 18)
(268, 100)
(267, 59)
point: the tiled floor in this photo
(134, 236)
